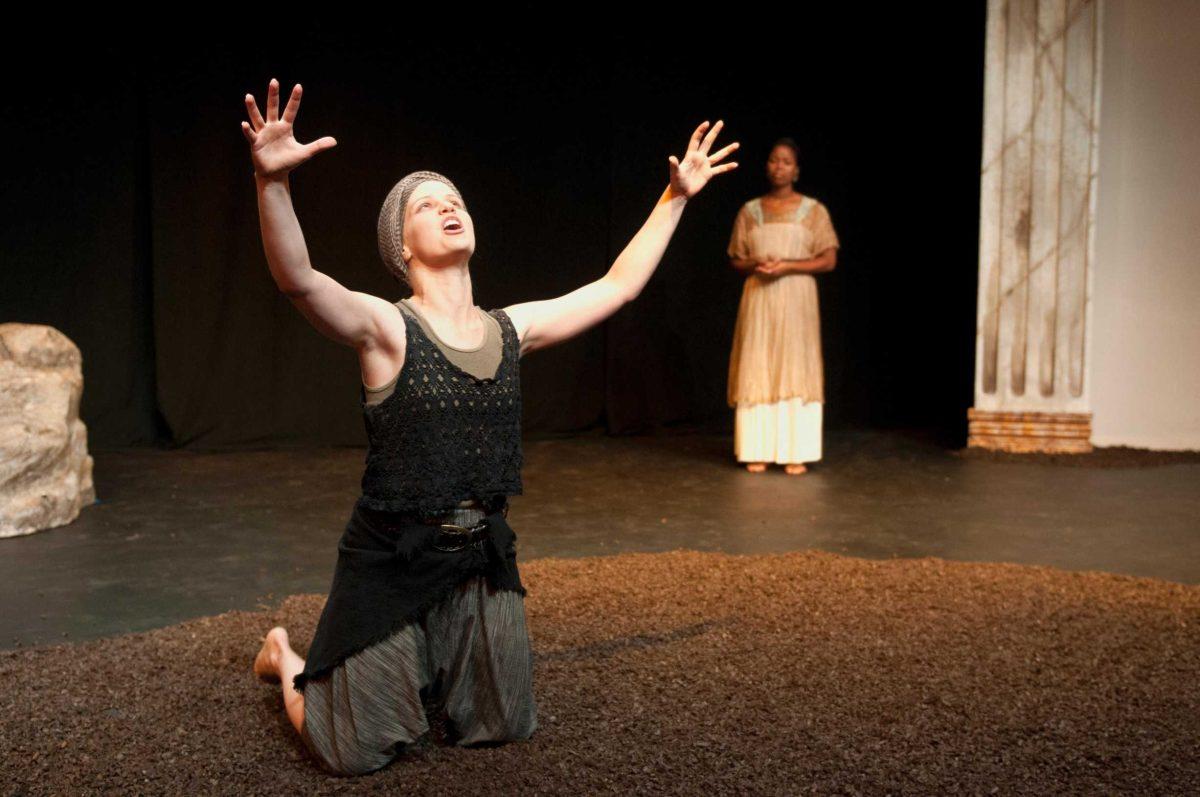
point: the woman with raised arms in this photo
(425, 615)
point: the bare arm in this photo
(744, 264)
(825, 261)
(543, 323)
(551, 321)
(343, 315)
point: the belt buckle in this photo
(462, 531)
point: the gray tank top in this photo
(480, 362)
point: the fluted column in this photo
(1036, 219)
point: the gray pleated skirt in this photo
(468, 663)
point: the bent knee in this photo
(516, 727)
(345, 763)
(347, 756)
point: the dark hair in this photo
(790, 144)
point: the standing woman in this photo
(426, 612)
(776, 374)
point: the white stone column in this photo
(1036, 226)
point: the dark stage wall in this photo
(130, 218)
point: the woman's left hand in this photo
(698, 167)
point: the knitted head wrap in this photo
(391, 220)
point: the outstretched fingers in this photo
(252, 109)
(712, 135)
(273, 101)
(323, 143)
(694, 143)
(293, 106)
(721, 153)
(289, 112)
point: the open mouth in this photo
(452, 226)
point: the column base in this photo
(1030, 432)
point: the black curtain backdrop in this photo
(131, 223)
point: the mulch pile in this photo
(1098, 457)
(684, 673)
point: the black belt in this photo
(452, 537)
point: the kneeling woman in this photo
(426, 613)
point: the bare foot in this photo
(266, 663)
(756, 467)
(795, 469)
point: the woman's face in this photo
(437, 228)
(782, 168)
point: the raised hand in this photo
(698, 167)
(273, 148)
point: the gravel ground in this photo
(1098, 457)
(684, 673)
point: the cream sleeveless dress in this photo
(776, 372)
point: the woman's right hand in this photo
(766, 268)
(273, 148)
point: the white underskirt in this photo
(785, 432)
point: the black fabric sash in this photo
(388, 574)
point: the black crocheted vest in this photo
(444, 435)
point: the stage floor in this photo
(178, 534)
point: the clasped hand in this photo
(773, 268)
